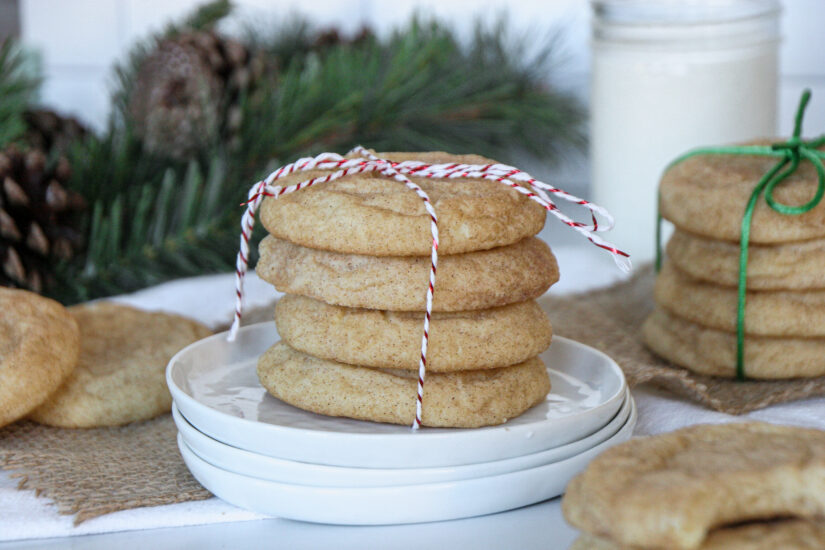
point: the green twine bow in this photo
(790, 154)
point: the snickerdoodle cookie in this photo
(39, 347)
(120, 377)
(713, 352)
(373, 215)
(464, 340)
(706, 195)
(786, 266)
(767, 313)
(784, 534)
(463, 400)
(475, 280)
(670, 490)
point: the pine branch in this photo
(19, 83)
(152, 218)
(418, 91)
(291, 40)
(207, 15)
(178, 223)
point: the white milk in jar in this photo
(669, 76)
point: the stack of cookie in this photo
(749, 486)
(694, 325)
(353, 257)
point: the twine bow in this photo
(366, 162)
(789, 154)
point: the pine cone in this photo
(50, 131)
(187, 91)
(332, 37)
(37, 213)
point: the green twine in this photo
(789, 154)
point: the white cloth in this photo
(210, 299)
(26, 516)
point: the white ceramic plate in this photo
(398, 504)
(301, 473)
(216, 388)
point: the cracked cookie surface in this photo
(475, 280)
(671, 490)
(121, 374)
(467, 399)
(378, 216)
(465, 340)
(39, 347)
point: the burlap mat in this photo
(90, 473)
(610, 319)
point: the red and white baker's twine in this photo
(368, 162)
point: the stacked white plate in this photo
(258, 453)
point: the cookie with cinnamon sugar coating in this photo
(462, 340)
(475, 280)
(712, 352)
(785, 534)
(377, 216)
(671, 490)
(706, 195)
(39, 347)
(468, 399)
(779, 313)
(120, 376)
(785, 266)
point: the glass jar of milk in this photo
(668, 76)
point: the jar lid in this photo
(681, 12)
(686, 24)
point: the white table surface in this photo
(213, 524)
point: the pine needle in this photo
(19, 83)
